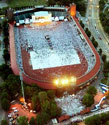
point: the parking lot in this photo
(17, 110)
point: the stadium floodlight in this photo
(64, 82)
(73, 79)
(56, 82)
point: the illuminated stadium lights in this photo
(65, 82)
(73, 79)
(56, 82)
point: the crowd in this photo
(70, 104)
(65, 41)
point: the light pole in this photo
(21, 79)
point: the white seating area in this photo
(85, 48)
(69, 104)
(64, 38)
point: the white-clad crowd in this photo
(64, 39)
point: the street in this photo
(95, 26)
(2, 114)
(1, 49)
(3, 4)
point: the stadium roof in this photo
(41, 13)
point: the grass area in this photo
(24, 3)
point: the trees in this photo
(107, 123)
(88, 100)
(35, 103)
(106, 66)
(104, 117)
(100, 119)
(104, 58)
(6, 41)
(32, 121)
(28, 91)
(92, 90)
(105, 81)
(4, 122)
(10, 86)
(54, 110)
(31, 90)
(45, 106)
(42, 118)
(13, 84)
(100, 51)
(94, 42)
(81, 23)
(42, 96)
(74, 124)
(5, 70)
(49, 108)
(22, 120)
(4, 95)
(88, 32)
(51, 94)
(6, 55)
(94, 120)
(5, 104)
(81, 6)
(51, 2)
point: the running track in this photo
(28, 80)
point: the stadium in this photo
(48, 47)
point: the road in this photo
(3, 4)
(1, 49)
(95, 26)
(2, 114)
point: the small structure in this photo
(21, 22)
(27, 21)
(54, 121)
(61, 18)
(73, 10)
(41, 16)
